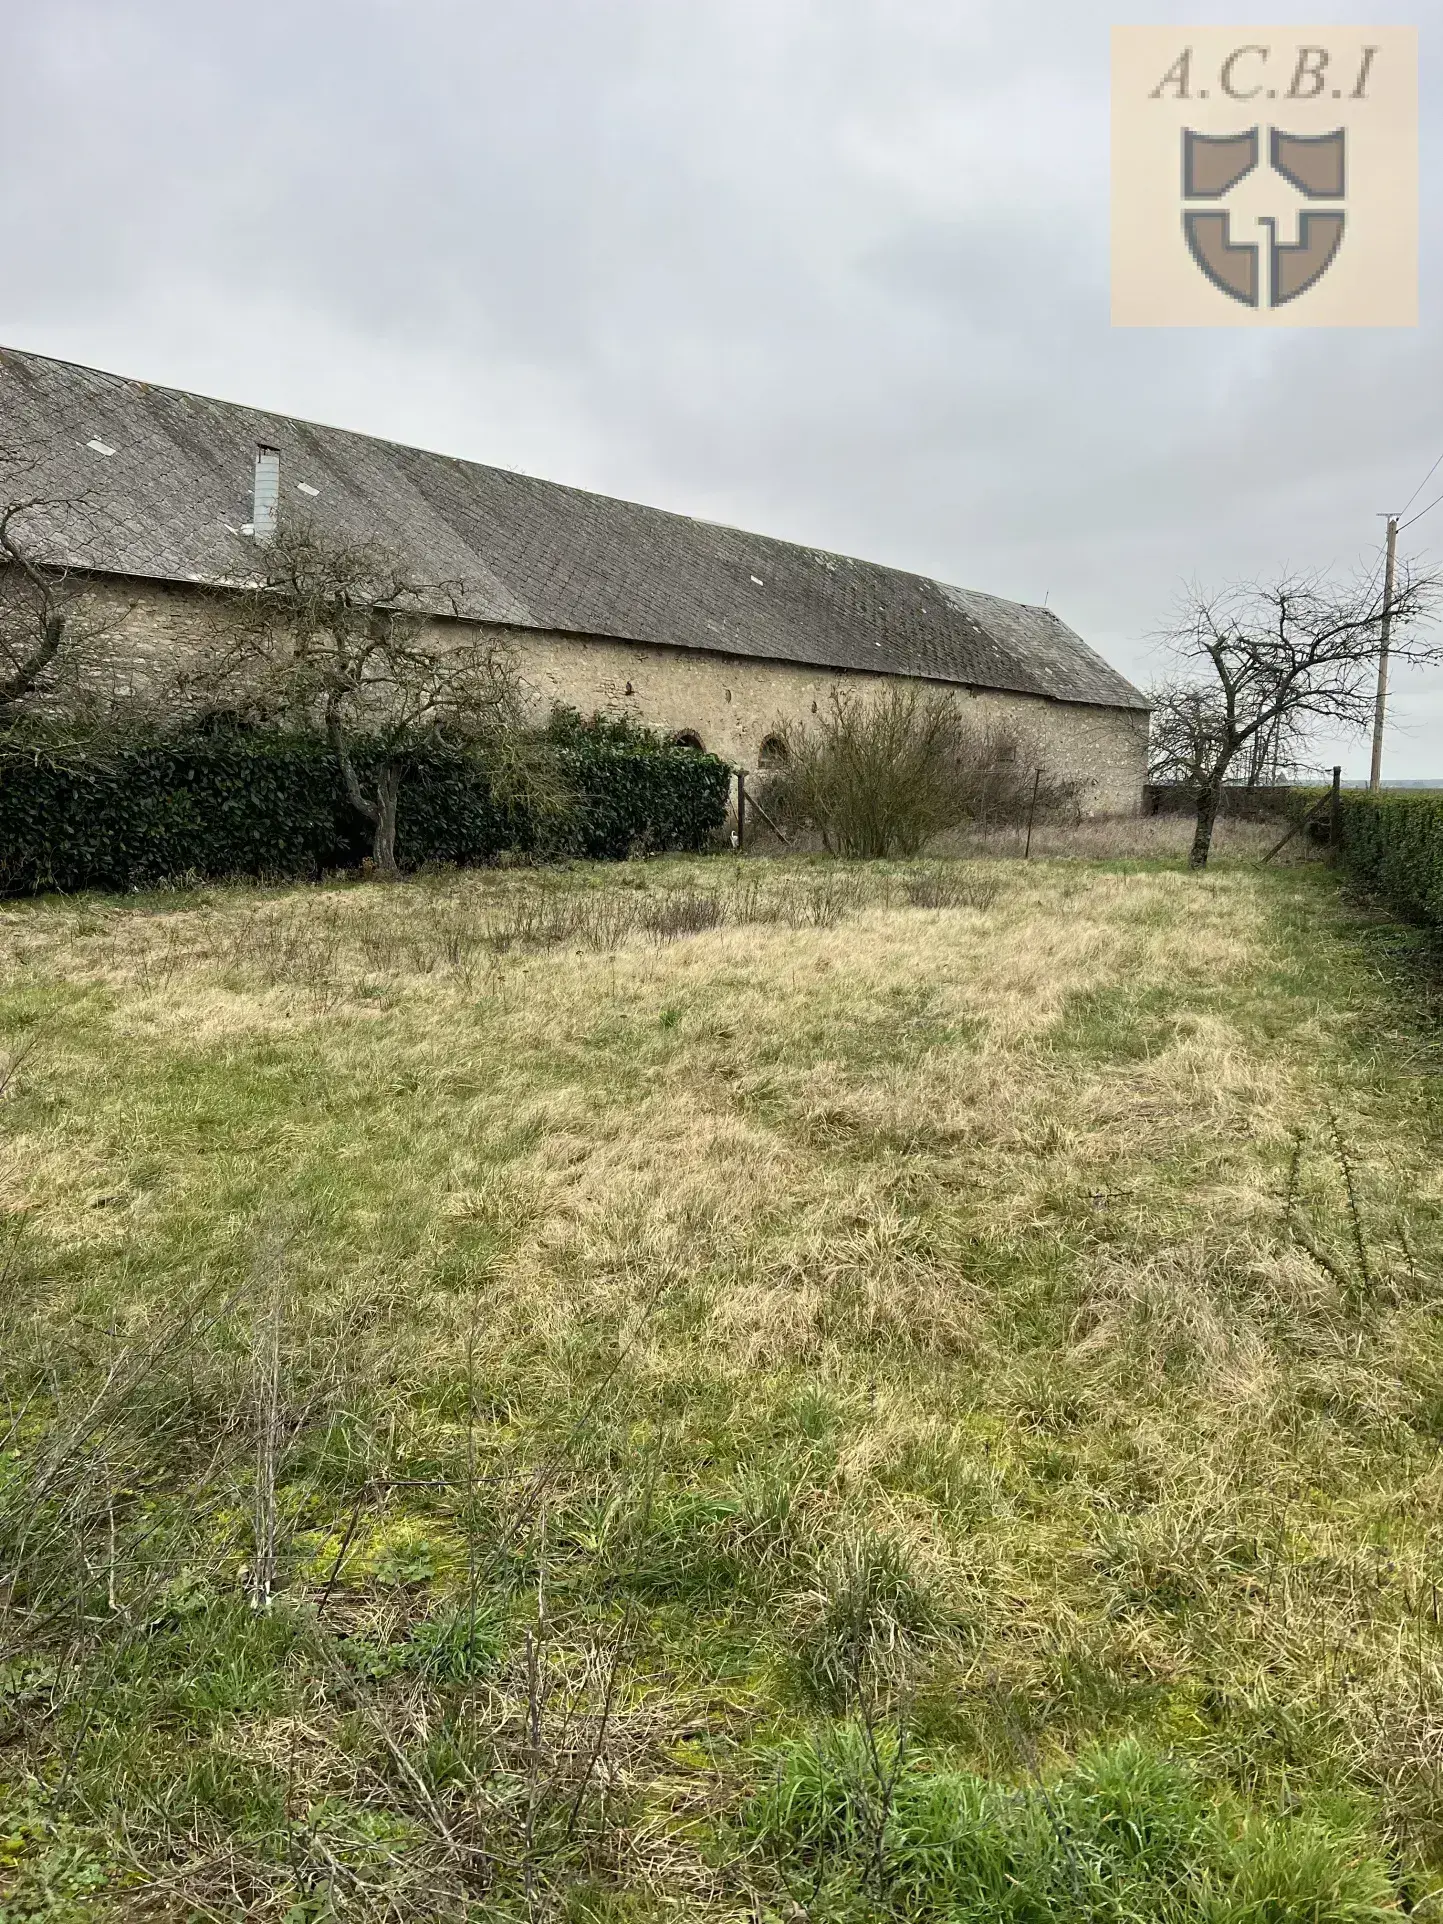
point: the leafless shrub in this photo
(686, 912)
(601, 919)
(822, 901)
(1007, 781)
(595, 919)
(950, 887)
(96, 1433)
(882, 776)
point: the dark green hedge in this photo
(1394, 844)
(145, 811)
(233, 801)
(635, 789)
(629, 799)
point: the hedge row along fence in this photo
(270, 804)
(1394, 844)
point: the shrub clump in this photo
(883, 776)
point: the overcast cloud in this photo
(833, 269)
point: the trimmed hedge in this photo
(1394, 844)
(232, 801)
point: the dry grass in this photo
(1056, 836)
(679, 1302)
(1126, 838)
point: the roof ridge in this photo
(175, 466)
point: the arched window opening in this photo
(687, 738)
(773, 753)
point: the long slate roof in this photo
(162, 484)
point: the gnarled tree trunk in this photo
(1209, 800)
(383, 844)
(380, 812)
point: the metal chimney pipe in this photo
(266, 498)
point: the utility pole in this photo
(1380, 707)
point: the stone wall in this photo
(730, 703)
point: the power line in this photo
(1430, 507)
(1420, 487)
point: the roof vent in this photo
(266, 498)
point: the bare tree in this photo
(55, 640)
(340, 634)
(1262, 666)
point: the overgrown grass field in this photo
(717, 1390)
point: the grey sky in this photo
(834, 269)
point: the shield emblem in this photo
(1313, 165)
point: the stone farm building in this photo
(710, 634)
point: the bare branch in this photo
(51, 642)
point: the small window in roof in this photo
(773, 753)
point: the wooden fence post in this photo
(1031, 811)
(741, 810)
(1335, 812)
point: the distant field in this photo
(790, 1391)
